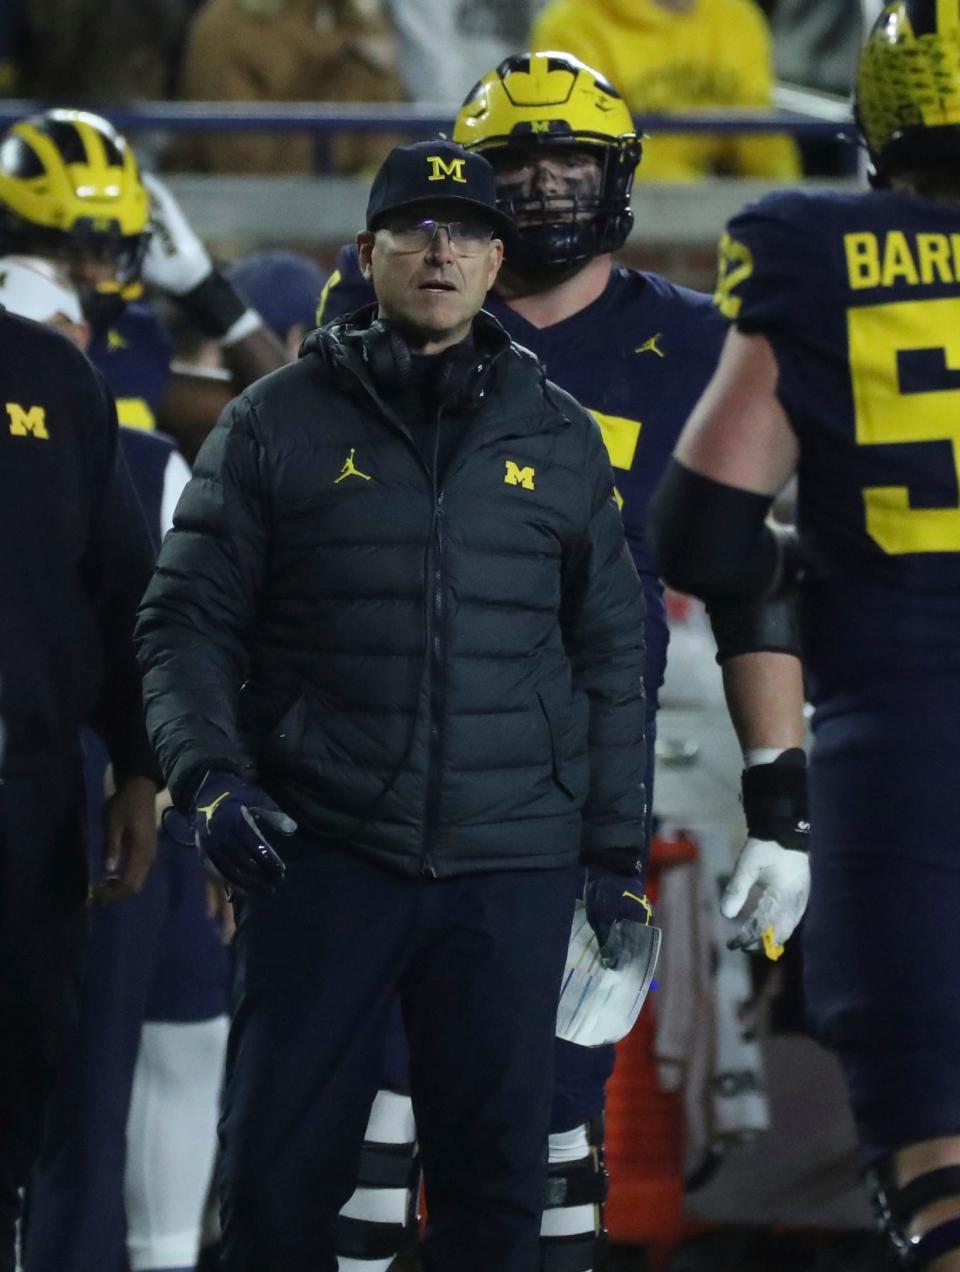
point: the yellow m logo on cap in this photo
(29, 422)
(440, 169)
(517, 476)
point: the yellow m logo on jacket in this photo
(440, 169)
(29, 422)
(517, 476)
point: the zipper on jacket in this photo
(436, 708)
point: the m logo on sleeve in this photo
(30, 421)
(517, 476)
(440, 169)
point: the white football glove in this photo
(176, 260)
(782, 879)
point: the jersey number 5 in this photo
(905, 372)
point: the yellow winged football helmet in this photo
(70, 188)
(908, 86)
(552, 100)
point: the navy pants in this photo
(43, 890)
(155, 956)
(882, 936)
(477, 963)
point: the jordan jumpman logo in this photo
(350, 469)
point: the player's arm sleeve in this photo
(771, 155)
(345, 290)
(602, 615)
(713, 540)
(116, 570)
(771, 627)
(768, 275)
(764, 263)
(196, 619)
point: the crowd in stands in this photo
(664, 55)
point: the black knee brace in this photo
(582, 1182)
(895, 1207)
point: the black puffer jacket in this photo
(447, 680)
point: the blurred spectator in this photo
(677, 55)
(444, 46)
(816, 43)
(11, 47)
(102, 51)
(283, 287)
(287, 50)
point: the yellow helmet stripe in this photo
(948, 16)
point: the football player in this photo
(71, 191)
(637, 351)
(843, 366)
(137, 1106)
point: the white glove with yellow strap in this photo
(178, 263)
(773, 864)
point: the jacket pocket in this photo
(557, 716)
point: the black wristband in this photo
(775, 800)
(214, 305)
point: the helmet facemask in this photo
(570, 202)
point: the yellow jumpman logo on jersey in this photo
(651, 346)
(350, 469)
(209, 809)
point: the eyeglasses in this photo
(467, 238)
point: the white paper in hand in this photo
(598, 1004)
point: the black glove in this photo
(608, 896)
(227, 820)
(775, 800)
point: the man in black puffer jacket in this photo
(397, 607)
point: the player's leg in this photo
(381, 1218)
(75, 1220)
(174, 1108)
(171, 1141)
(882, 945)
(43, 886)
(316, 973)
(480, 1006)
(572, 1230)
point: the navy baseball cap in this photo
(433, 172)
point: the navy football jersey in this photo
(134, 355)
(859, 297)
(638, 359)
